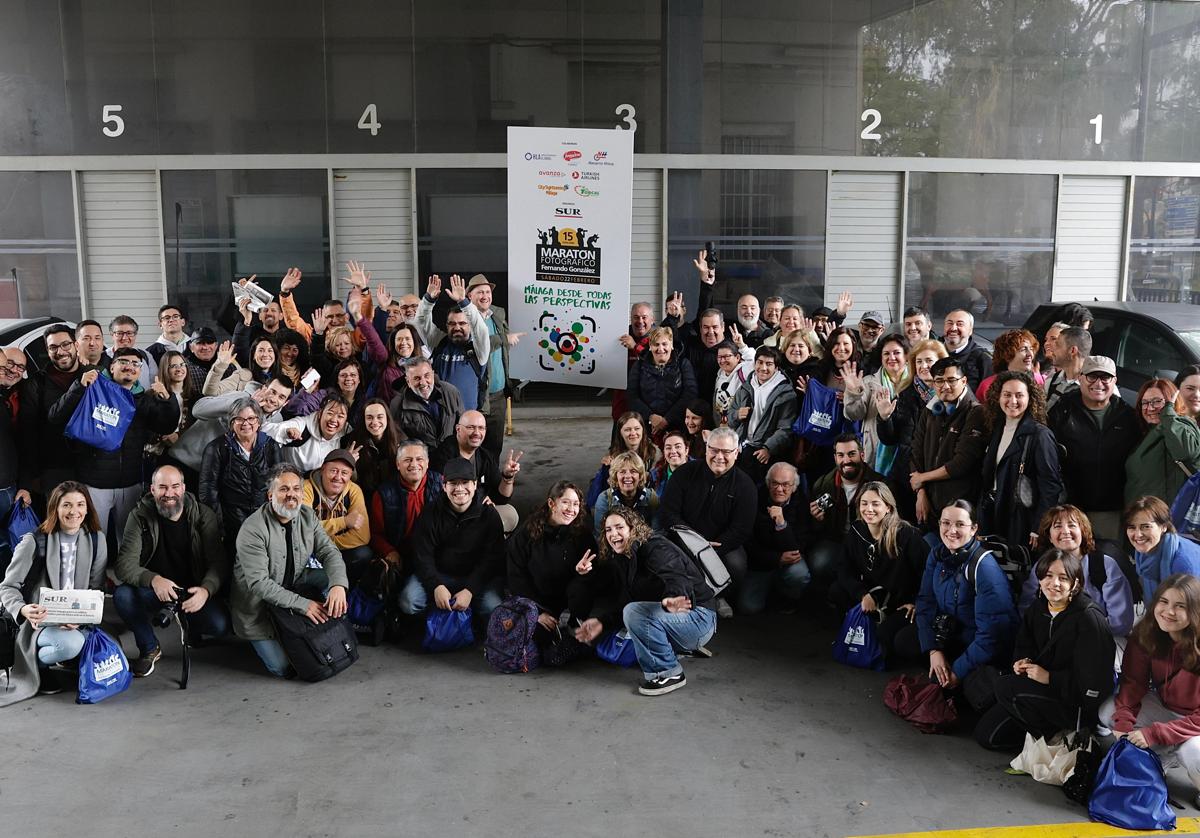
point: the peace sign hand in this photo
(675, 304)
(737, 338)
(585, 564)
(707, 275)
(354, 449)
(513, 465)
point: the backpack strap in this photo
(37, 567)
(971, 569)
(1097, 572)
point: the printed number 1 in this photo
(369, 121)
(1098, 121)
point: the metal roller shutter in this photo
(862, 251)
(373, 222)
(1089, 238)
(646, 255)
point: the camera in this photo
(164, 616)
(945, 627)
(711, 249)
(825, 502)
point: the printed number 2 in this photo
(627, 114)
(1098, 121)
(109, 117)
(369, 121)
(868, 131)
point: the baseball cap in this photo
(204, 335)
(873, 317)
(459, 468)
(1099, 363)
(822, 311)
(340, 455)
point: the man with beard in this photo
(427, 409)
(870, 330)
(974, 361)
(172, 556)
(54, 461)
(479, 292)
(641, 323)
(461, 353)
(754, 331)
(834, 505)
(284, 558)
(399, 502)
(772, 308)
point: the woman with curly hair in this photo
(1016, 350)
(1163, 653)
(1021, 475)
(628, 485)
(659, 593)
(1170, 450)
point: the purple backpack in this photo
(509, 646)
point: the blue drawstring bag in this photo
(22, 521)
(857, 644)
(597, 486)
(617, 648)
(1185, 509)
(362, 609)
(1130, 790)
(103, 668)
(446, 631)
(821, 419)
(102, 416)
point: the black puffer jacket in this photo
(974, 361)
(656, 569)
(233, 486)
(665, 390)
(1094, 465)
(1076, 648)
(123, 467)
(42, 394)
(415, 421)
(719, 508)
(543, 569)
(467, 545)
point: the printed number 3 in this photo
(627, 114)
(110, 118)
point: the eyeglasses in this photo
(124, 333)
(169, 318)
(945, 382)
(55, 348)
(725, 452)
(779, 484)
(1153, 404)
(245, 420)
(13, 365)
(177, 366)
(1098, 376)
(129, 362)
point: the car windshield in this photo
(1192, 339)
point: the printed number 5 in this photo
(627, 114)
(109, 117)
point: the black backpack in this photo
(1014, 562)
(1098, 573)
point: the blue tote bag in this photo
(22, 521)
(857, 644)
(617, 648)
(1130, 790)
(821, 418)
(446, 631)
(103, 669)
(103, 415)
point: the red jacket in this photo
(1178, 689)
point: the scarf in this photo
(762, 392)
(1154, 567)
(885, 455)
(413, 505)
(925, 391)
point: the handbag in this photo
(102, 416)
(564, 649)
(1082, 779)
(103, 668)
(1047, 762)
(703, 555)
(617, 647)
(858, 646)
(1024, 488)
(1131, 791)
(315, 650)
(447, 630)
(21, 521)
(979, 687)
(921, 703)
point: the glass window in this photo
(768, 227)
(1164, 246)
(462, 226)
(981, 242)
(228, 224)
(620, 63)
(39, 272)
(240, 77)
(1146, 351)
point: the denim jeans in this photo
(657, 634)
(271, 653)
(137, 605)
(823, 559)
(414, 599)
(789, 580)
(56, 644)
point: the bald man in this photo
(754, 331)
(495, 480)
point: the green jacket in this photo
(210, 560)
(261, 563)
(1154, 466)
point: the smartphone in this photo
(310, 378)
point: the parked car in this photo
(26, 333)
(1145, 340)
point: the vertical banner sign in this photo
(570, 210)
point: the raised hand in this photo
(707, 276)
(225, 353)
(290, 281)
(674, 307)
(515, 337)
(319, 322)
(382, 298)
(159, 390)
(354, 305)
(584, 565)
(845, 303)
(433, 287)
(513, 465)
(852, 378)
(885, 406)
(244, 308)
(359, 277)
(458, 288)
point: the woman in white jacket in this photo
(306, 440)
(864, 394)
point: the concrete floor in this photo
(770, 737)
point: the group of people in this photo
(274, 468)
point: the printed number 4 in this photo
(369, 121)
(627, 114)
(108, 115)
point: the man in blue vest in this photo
(461, 353)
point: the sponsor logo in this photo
(855, 636)
(574, 175)
(568, 212)
(569, 255)
(529, 155)
(585, 175)
(583, 191)
(600, 155)
(107, 668)
(818, 419)
(106, 415)
(550, 173)
(572, 155)
(553, 189)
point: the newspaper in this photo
(83, 607)
(258, 297)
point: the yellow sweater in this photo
(333, 514)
